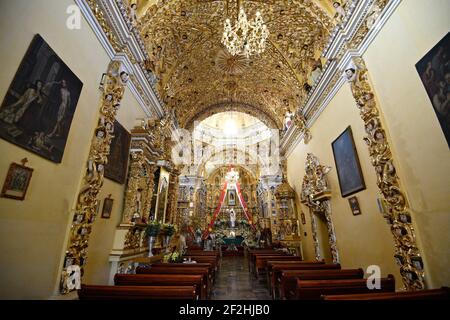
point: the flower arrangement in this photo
(174, 257)
(168, 229)
(153, 228)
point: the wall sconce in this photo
(102, 83)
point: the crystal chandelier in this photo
(245, 37)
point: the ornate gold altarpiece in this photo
(150, 148)
(286, 224)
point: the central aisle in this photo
(234, 282)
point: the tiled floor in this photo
(234, 282)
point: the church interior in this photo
(225, 150)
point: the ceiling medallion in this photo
(229, 64)
(245, 37)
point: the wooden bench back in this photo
(279, 267)
(314, 289)
(90, 292)
(177, 270)
(288, 279)
(433, 294)
(163, 280)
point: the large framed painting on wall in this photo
(38, 108)
(348, 168)
(117, 166)
(434, 70)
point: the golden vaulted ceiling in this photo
(198, 77)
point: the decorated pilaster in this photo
(172, 202)
(398, 215)
(85, 209)
(316, 195)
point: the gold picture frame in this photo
(17, 181)
(107, 207)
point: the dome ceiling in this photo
(198, 77)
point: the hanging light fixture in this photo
(245, 37)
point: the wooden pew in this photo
(433, 294)
(277, 270)
(205, 259)
(252, 252)
(210, 267)
(203, 253)
(164, 280)
(90, 292)
(288, 279)
(252, 258)
(314, 289)
(173, 270)
(289, 265)
(261, 261)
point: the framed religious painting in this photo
(434, 72)
(231, 197)
(348, 168)
(354, 206)
(38, 108)
(107, 207)
(117, 166)
(17, 181)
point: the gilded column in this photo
(85, 209)
(398, 215)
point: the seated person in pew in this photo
(91, 292)
(314, 289)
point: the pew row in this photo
(177, 269)
(285, 265)
(92, 292)
(261, 261)
(288, 280)
(314, 289)
(196, 280)
(432, 294)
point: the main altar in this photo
(231, 224)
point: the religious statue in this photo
(232, 218)
(288, 117)
(340, 11)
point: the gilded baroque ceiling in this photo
(198, 77)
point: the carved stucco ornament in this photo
(397, 212)
(86, 207)
(316, 195)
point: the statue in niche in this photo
(232, 218)
(137, 214)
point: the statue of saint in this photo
(232, 218)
